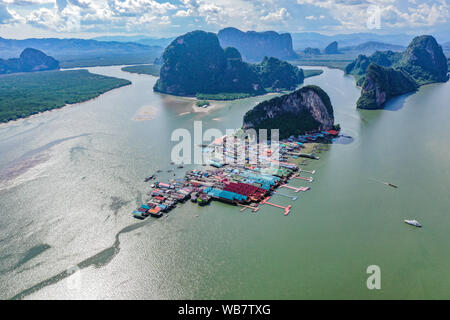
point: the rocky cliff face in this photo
(421, 63)
(195, 63)
(359, 66)
(29, 60)
(191, 63)
(306, 109)
(383, 83)
(279, 75)
(425, 61)
(254, 46)
(332, 48)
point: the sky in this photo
(165, 18)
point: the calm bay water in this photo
(70, 178)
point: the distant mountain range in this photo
(254, 46)
(317, 40)
(28, 61)
(113, 50)
(81, 49)
(372, 46)
(149, 41)
(303, 40)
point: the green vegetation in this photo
(312, 73)
(22, 95)
(278, 75)
(294, 113)
(195, 64)
(383, 83)
(423, 60)
(358, 67)
(202, 103)
(223, 96)
(111, 60)
(150, 69)
(387, 74)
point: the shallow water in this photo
(70, 178)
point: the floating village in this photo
(245, 184)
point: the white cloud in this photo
(26, 2)
(137, 15)
(184, 13)
(136, 7)
(280, 15)
(352, 14)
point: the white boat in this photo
(413, 223)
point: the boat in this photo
(203, 199)
(413, 223)
(138, 215)
(391, 185)
(149, 178)
(156, 212)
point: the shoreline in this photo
(15, 121)
(214, 104)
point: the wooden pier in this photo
(286, 209)
(309, 179)
(254, 209)
(285, 195)
(303, 189)
(307, 171)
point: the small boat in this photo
(413, 223)
(149, 178)
(138, 215)
(391, 185)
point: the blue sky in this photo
(163, 18)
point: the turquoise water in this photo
(70, 178)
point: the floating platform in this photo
(309, 179)
(307, 171)
(286, 209)
(303, 189)
(254, 209)
(285, 195)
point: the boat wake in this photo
(98, 260)
(385, 183)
